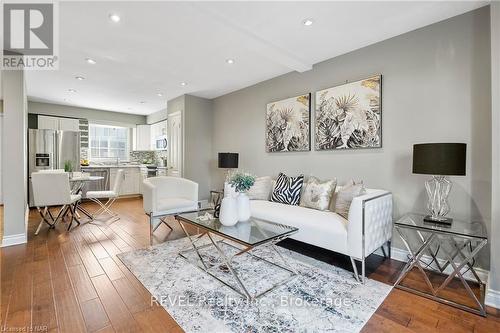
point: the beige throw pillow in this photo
(317, 194)
(261, 189)
(345, 196)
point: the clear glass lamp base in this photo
(438, 188)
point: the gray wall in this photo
(198, 133)
(436, 88)
(495, 94)
(91, 114)
(157, 116)
(14, 160)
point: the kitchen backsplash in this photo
(154, 157)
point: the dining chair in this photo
(168, 196)
(112, 195)
(52, 189)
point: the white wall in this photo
(495, 107)
(14, 157)
(436, 88)
(1, 139)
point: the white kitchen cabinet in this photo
(131, 183)
(68, 124)
(143, 137)
(58, 123)
(45, 122)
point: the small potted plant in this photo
(68, 167)
(242, 182)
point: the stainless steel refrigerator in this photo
(49, 149)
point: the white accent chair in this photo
(168, 196)
(52, 189)
(111, 197)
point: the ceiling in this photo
(157, 45)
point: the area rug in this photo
(321, 298)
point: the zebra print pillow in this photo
(287, 189)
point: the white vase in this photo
(243, 206)
(228, 215)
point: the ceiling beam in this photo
(254, 42)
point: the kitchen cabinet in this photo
(158, 130)
(131, 180)
(58, 123)
(143, 137)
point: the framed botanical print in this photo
(349, 116)
(288, 124)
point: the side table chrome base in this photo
(464, 260)
(227, 260)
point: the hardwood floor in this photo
(73, 282)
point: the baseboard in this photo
(14, 240)
(492, 297)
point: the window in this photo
(109, 142)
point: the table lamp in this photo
(228, 161)
(439, 160)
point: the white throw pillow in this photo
(317, 194)
(345, 196)
(261, 189)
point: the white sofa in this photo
(368, 227)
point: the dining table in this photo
(78, 186)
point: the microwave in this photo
(161, 143)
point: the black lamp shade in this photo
(440, 159)
(228, 160)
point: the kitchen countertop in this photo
(96, 166)
(114, 166)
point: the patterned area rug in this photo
(321, 298)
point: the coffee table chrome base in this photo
(243, 290)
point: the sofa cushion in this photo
(287, 189)
(317, 194)
(320, 228)
(261, 189)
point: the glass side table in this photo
(440, 254)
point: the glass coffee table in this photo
(232, 242)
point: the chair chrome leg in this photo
(355, 269)
(363, 270)
(151, 220)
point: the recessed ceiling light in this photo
(307, 22)
(71, 90)
(142, 102)
(114, 17)
(183, 84)
(159, 94)
(79, 78)
(90, 61)
(230, 61)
